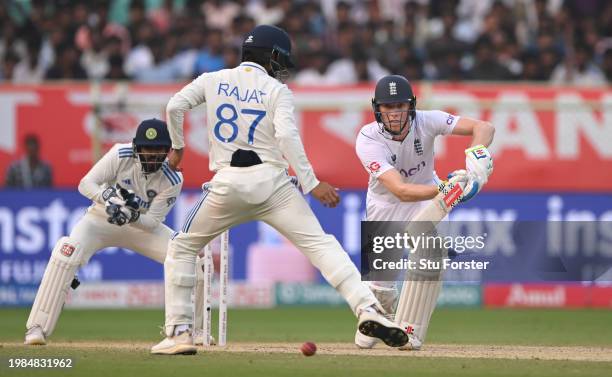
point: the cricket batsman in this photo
(397, 150)
(132, 189)
(253, 140)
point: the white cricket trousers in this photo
(238, 195)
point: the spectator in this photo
(607, 64)
(8, 66)
(30, 171)
(31, 69)
(316, 63)
(141, 57)
(219, 14)
(95, 58)
(444, 36)
(210, 57)
(67, 66)
(486, 66)
(115, 68)
(358, 68)
(578, 69)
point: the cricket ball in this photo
(308, 349)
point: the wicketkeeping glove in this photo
(123, 208)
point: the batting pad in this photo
(51, 295)
(179, 282)
(420, 292)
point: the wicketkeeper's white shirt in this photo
(158, 191)
(413, 158)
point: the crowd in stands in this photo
(335, 42)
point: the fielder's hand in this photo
(174, 159)
(326, 194)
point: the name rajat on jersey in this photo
(248, 95)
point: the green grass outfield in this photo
(460, 327)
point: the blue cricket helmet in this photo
(151, 133)
(271, 44)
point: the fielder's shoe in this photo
(198, 338)
(181, 344)
(35, 337)
(372, 323)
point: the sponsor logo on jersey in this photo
(412, 171)
(249, 39)
(374, 167)
(450, 119)
(67, 250)
(127, 181)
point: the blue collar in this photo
(254, 65)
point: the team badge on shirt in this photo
(418, 148)
(151, 194)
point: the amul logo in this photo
(392, 88)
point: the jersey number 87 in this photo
(231, 121)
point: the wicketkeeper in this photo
(132, 189)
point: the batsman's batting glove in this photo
(479, 162)
(472, 186)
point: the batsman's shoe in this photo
(35, 337)
(364, 342)
(181, 344)
(414, 342)
(374, 324)
(198, 338)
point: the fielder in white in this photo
(132, 189)
(397, 150)
(251, 132)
